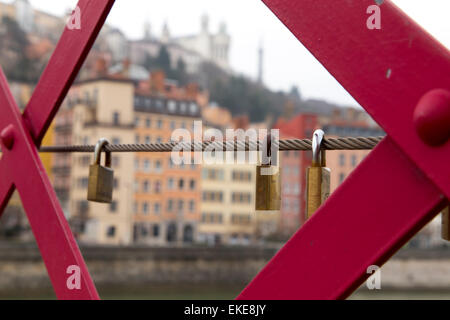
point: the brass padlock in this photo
(101, 178)
(445, 224)
(317, 177)
(268, 184)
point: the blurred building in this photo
(293, 165)
(154, 202)
(167, 196)
(31, 20)
(229, 191)
(214, 47)
(193, 50)
(342, 122)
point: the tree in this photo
(13, 47)
(162, 61)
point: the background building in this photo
(193, 50)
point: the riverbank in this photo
(204, 272)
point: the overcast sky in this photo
(249, 22)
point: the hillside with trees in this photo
(237, 93)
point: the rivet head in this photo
(7, 137)
(432, 117)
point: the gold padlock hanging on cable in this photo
(268, 185)
(101, 178)
(317, 176)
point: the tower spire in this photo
(260, 63)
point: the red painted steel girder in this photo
(21, 166)
(400, 186)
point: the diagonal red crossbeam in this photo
(401, 185)
(21, 167)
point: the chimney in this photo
(192, 90)
(126, 67)
(157, 81)
(100, 68)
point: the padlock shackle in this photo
(267, 152)
(101, 144)
(318, 157)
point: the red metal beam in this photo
(387, 71)
(381, 205)
(51, 230)
(400, 186)
(64, 65)
(22, 166)
(6, 188)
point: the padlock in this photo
(268, 184)
(317, 177)
(101, 178)
(445, 228)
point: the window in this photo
(341, 177)
(158, 166)
(242, 176)
(116, 183)
(146, 165)
(172, 106)
(342, 159)
(111, 232)
(85, 160)
(354, 160)
(115, 161)
(209, 196)
(83, 183)
(147, 139)
(145, 208)
(136, 121)
(116, 118)
(160, 124)
(181, 184)
(146, 186)
(193, 108)
(172, 125)
(157, 187)
(180, 205)
(155, 230)
(113, 206)
(158, 140)
(137, 139)
(136, 164)
(170, 205)
(82, 206)
(192, 184)
(170, 184)
(183, 107)
(156, 208)
(115, 140)
(191, 206)
(240, 197)
(148, 123)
